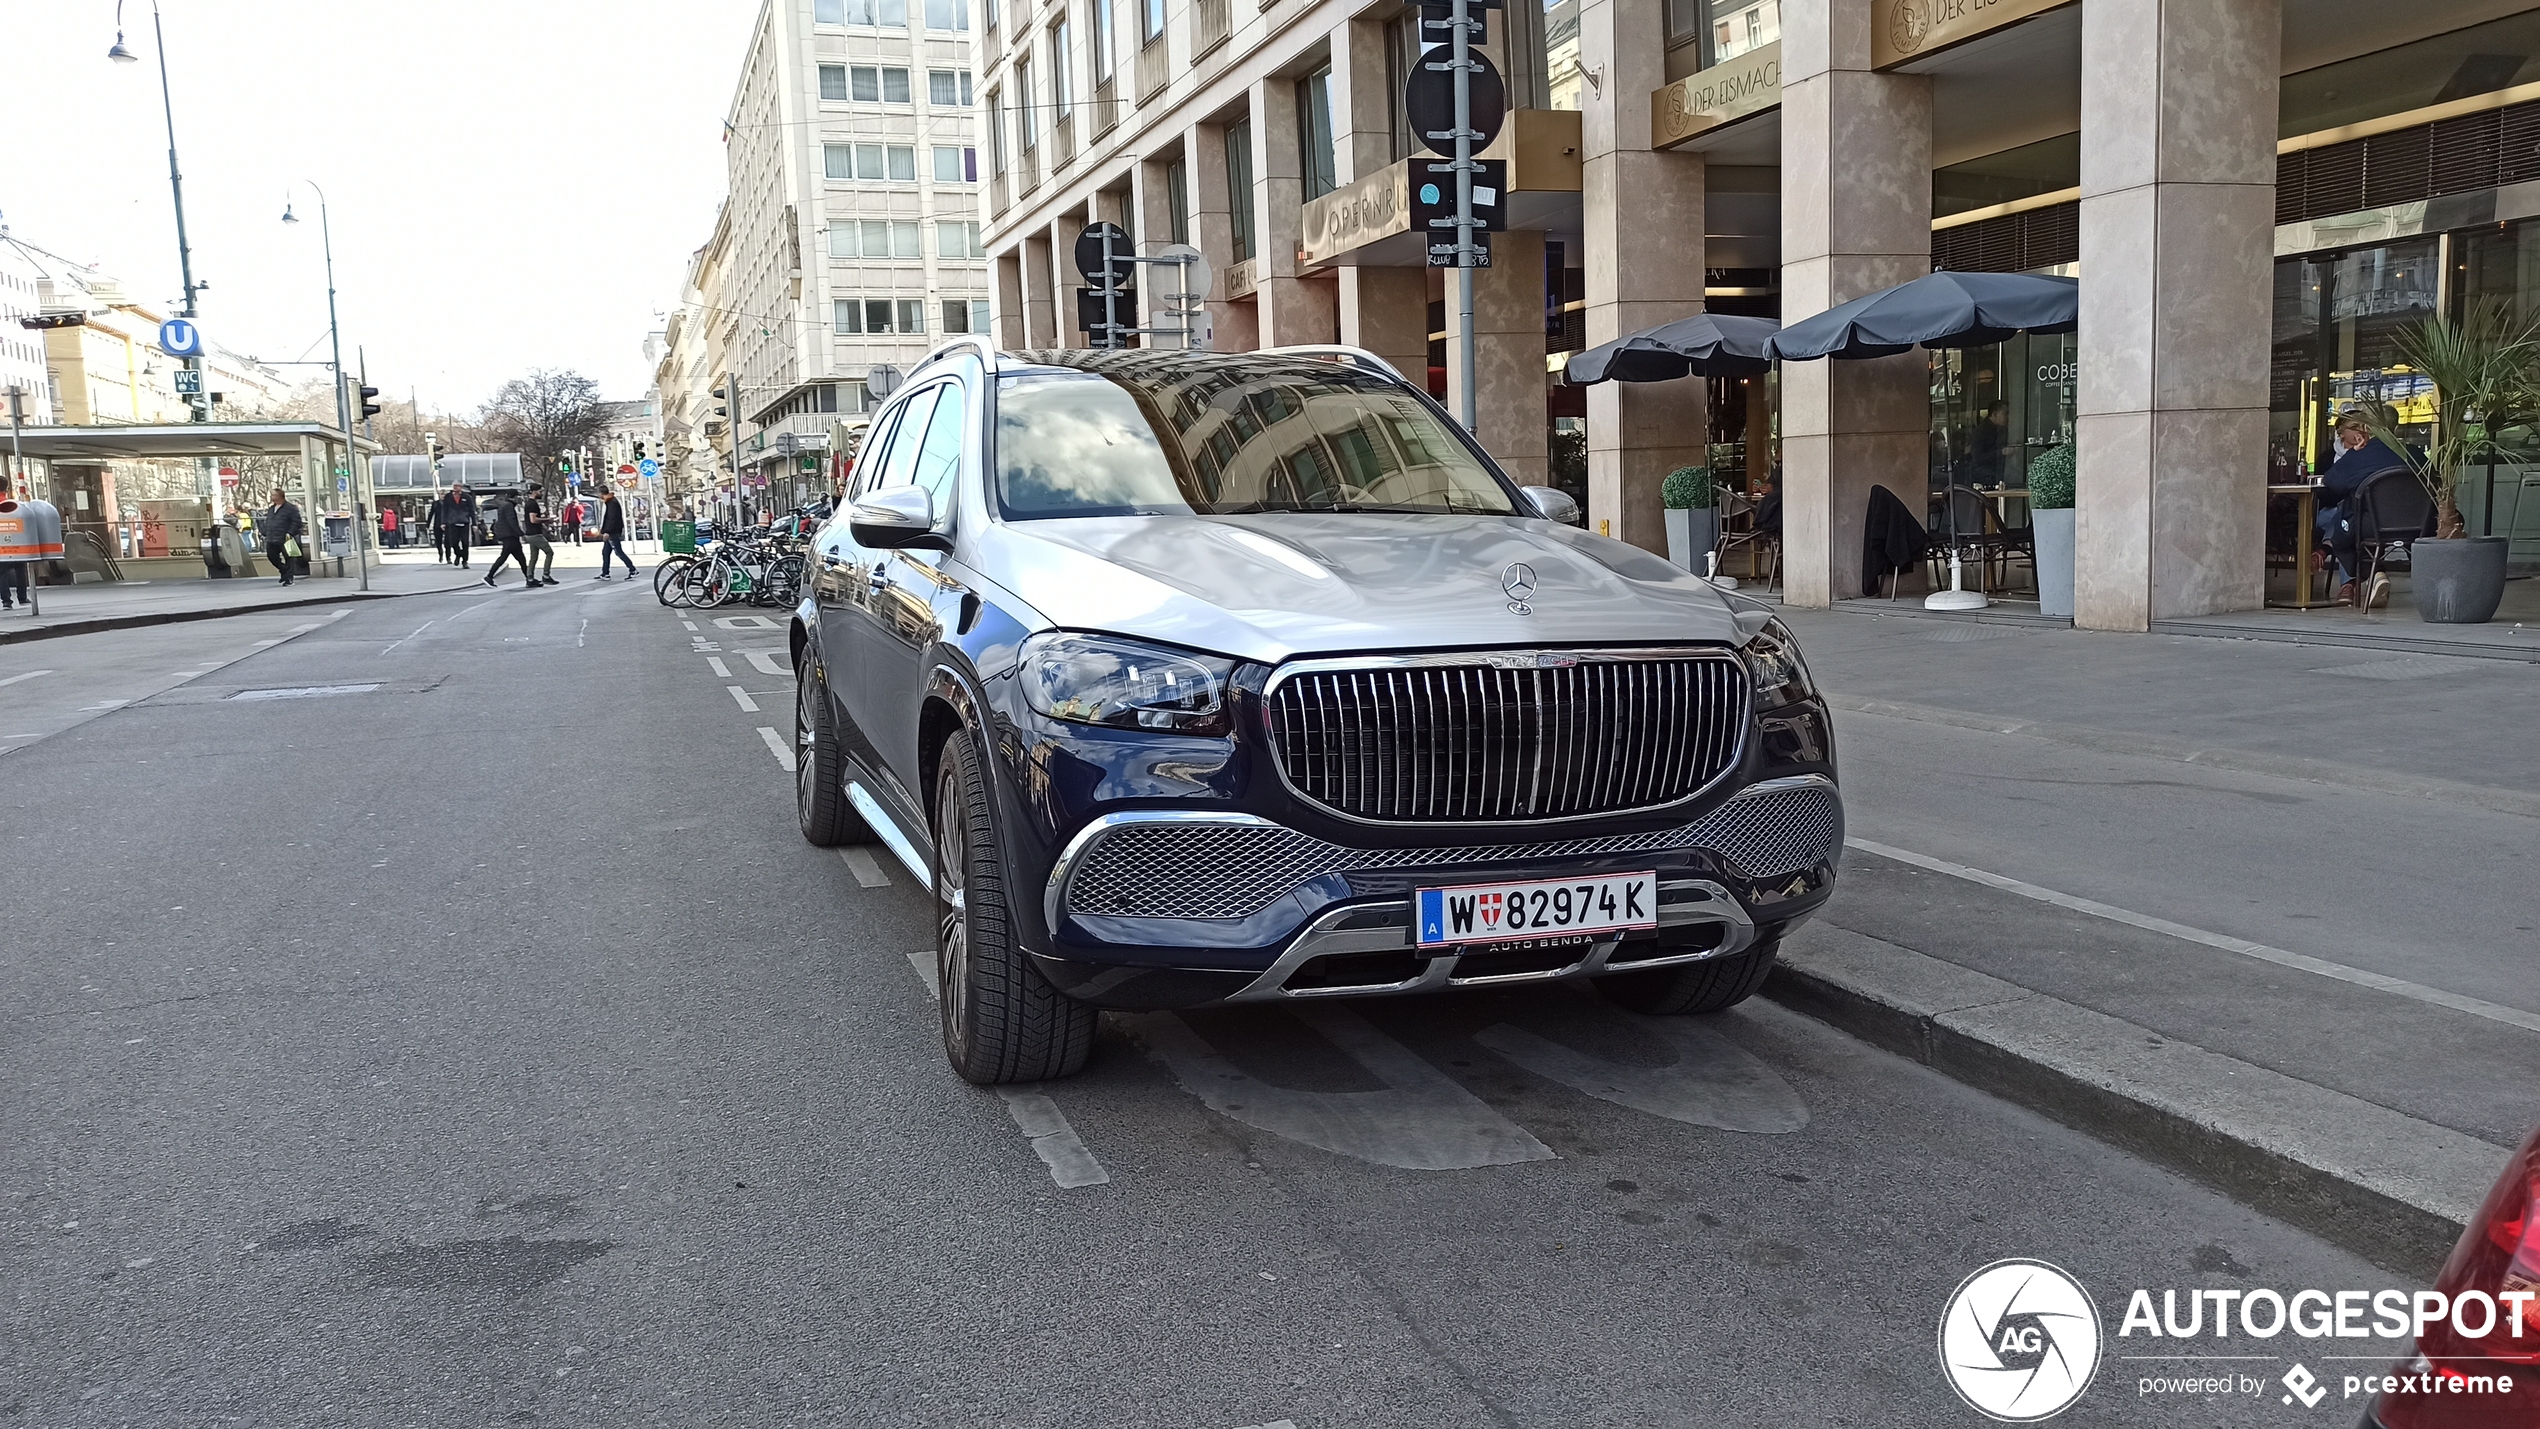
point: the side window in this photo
(900, 463)
(877, 444)
(939, 459)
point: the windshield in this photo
(1229, 441)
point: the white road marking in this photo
(580, 631)
(923, 960)
(777, 747)
(1422, 1121)
(1071, 1165)
(339, 615)
(743, 696)
(721, 670)
(1274, 1424)
(304, 629)
(868, 874)
(29, 675)
(2511, 1016)
(107, 705)
(261, 644)
(689, 623)
(765, 660)
(1714, 1082)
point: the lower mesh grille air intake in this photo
(1225, 870)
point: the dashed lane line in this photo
(765, 661)
(777, 747)
(1053, 1140)
(721, 671)
(860, 862)
(743, 696)
(924, 962)
(29, 675)
(2493, 1012)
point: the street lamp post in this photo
(343, 412)
(198, 403)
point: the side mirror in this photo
(1553, 504)
(895, 518)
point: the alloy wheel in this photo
(952, 835)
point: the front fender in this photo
(802, 632)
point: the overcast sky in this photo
(515, 183)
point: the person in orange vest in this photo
(30, 530)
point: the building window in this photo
(988, 13)
(956, 239)
(1026, 112)
(948, 89)
(1735, 26)
(837, 161)
(875, 85)
(829, 12)
(878, 317)
(903, 163)
(1239, 185)
(1177, 199)
(912, 315)
(961, 316)
(1402, 60)
(833, 81)
(996, 131)
(888, 14)
(1100, 15)
(846, 317)
(1150, 21)
(1062, 91)
(875, 238)
(948, 14)
(1314, 131)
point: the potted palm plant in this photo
(1693, 528)
(2050, 510)
(2486, 374)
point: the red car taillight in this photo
(2498, 1254)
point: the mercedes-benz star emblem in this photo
(1519, 582)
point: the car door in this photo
(870, 601)
(838, 588)
(919, 594)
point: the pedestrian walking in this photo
(30, 531)
(573, 514)
(613, 536)
(455, 517)
(280, 527)
(507, 535)
(541, 564)
(388, 527)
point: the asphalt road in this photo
(478, 1043)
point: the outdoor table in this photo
(2305, 536)
(1995, 514)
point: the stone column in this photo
(1009, 306)
(2178, 123)
(1292, 309)
(1509, 383)
(1040, 318)
(1064, 279)
(1212, 229)
(1856, 217)
(1644, 260)
(1384, 310)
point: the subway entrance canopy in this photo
(73, 445)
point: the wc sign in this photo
(179, 337)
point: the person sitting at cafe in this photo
(2362, 456)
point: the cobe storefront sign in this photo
(1901, 30)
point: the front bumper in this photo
(1167, 908)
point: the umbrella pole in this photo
(1957, 597)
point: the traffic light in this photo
(639, 449)
(564, 466)
(370, 408)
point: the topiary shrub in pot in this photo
(1693, 528)
(2050, 511)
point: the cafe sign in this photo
(1902, 30)
(1706, 100)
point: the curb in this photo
(2244, 761)
(179, 617)
(2388, 1187)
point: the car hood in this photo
(1271, 586)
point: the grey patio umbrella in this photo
(1707, 344)
(1942, 310)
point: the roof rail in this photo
(1357, 356)
(964, 342)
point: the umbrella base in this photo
(1955, 600)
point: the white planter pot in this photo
(2054, 535)
(1690, 537)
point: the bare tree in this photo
(544, 416)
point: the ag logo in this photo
(2019, 1341)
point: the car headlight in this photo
(1125, 684)
(1781, 677)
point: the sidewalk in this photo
(2260, 910)
(121, 605)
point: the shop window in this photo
(1239, 186)
(1314, 131)
(1177, 198)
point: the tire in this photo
(820, 770)
(1714, 986)
(1002, 1020)
(688, 588)
(666, 578)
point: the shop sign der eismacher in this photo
(1902, 30)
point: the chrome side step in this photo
(890, 834)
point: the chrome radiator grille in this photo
(1488, 740)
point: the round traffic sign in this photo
(1089, 253)
(1429, 100)
(1195, 270)
(649, 467)
(882, 379)
(179, 337)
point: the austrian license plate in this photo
(1550, 908)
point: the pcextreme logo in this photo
(2019, 1341)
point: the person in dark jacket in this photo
(456, 518)
(276, 526)
(613, 536)
(2363, 455)
(507, 536)
(533, 534)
